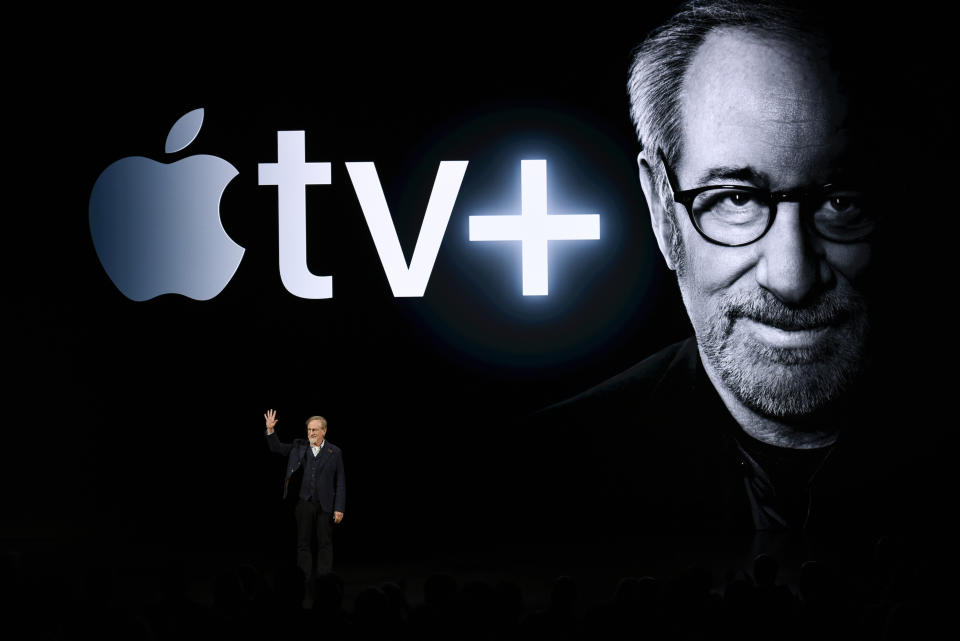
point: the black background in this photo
(139, 424)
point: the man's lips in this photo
(790, 337)
(771, 322)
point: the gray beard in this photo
(787, 382)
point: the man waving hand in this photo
(322, 490)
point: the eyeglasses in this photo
(737, 215)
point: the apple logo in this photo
(156, 227)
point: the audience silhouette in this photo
(892, 596)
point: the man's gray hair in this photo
(317, 418)
(660, 65)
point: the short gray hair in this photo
(660, 65)
(317, 418)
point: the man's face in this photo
(780, 321)
(316, 432)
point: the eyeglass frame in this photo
(770, 198)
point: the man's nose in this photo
(792, 263)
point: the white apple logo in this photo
(156, 227)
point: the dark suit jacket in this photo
(654, 450)
(332, 484)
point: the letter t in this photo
(291, 174)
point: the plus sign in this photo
(291, 175)
(534, 227)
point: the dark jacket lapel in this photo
(326, 453)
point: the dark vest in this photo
(311, 469)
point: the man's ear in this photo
(661, 222)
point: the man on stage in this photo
(323, 490)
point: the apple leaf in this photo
(184, 130)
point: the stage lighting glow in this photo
(534, 227)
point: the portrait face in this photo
(316, 431)
(780, 321)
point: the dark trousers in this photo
(313, 523)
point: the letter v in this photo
(407, 281)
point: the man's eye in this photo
(845, 205)
(724, 200)
(739, 199)
(842, 203)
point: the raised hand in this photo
(271, 418)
